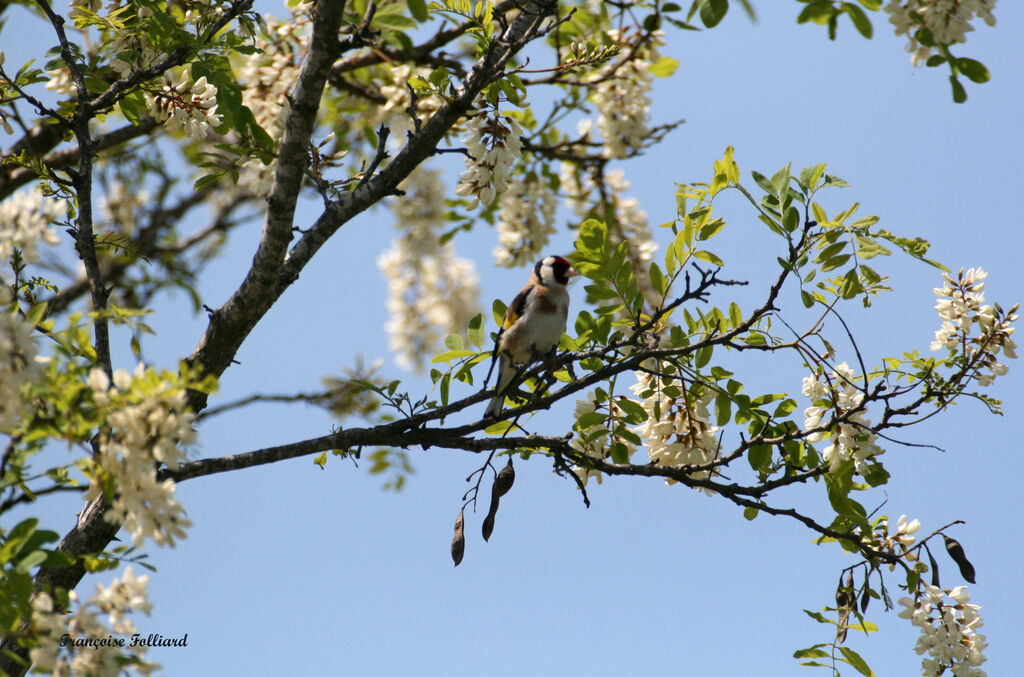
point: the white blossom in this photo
(594, 441)
(851, 439)
(394, 112)
(26, 219)
(431, 291)
(148, 426)
(961, 307)
(90, 651)
(948, 21)
(266, 76)
(678, 431)
(949, 634)
(526, 222)
(18, 365)
(183, 105)
(493, 145)
(621, 94)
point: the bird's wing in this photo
(514, 311)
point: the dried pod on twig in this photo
(956, 552)
(488, 525)
(503, 482)
(845, 601)
(458, 541)
(935, 567)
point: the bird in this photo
(532, 326)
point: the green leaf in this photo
(713, 11)
(859, 18)
(817, 616)
(735, 314)
(453, 342)
(475, 332)
(321, 460)
(819, 12)
(858, 663)
(873, 5)
(812, 652)
(709, 257)
(723, 409)
(974, 70)
(760, 457)
(780, 182)
(418, 8)
(32, 560)
(663, 67)
(959, 93)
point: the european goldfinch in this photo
(533, 324)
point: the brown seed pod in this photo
(459, 541)
(956, 552)
(503, 482)
(488, 525)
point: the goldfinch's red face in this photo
(554, 269)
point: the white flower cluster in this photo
(431, 291)
(595, 441)
(91, 649)
(683, 434)
(148, 425)
(190, 108)
(493, 143)
(677, 431)
(394, 112)
(852, 439)
(25, 221)
(899, 544)
(948, 21)
(18, 364)
(526, 221)
(960, 307)
(266, 76)
(621, 94)
(948, 631)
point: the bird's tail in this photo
(506, 373)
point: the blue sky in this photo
(292, 570)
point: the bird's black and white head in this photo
(552, 270)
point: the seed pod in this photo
(956, 552)
(935, 567)
(503, 482)
(459, 541)
(845, 600)
(488, 521)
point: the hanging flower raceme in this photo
(622, 97)
(147, 425)
(678, 430)
(18, 364)
(949, 634)
(526, 222)
(493, 145)
(852, 438)
(26, 221)
(431, 291)
(184, 105)
(946, 21)
(961, 307)
(79, 643)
